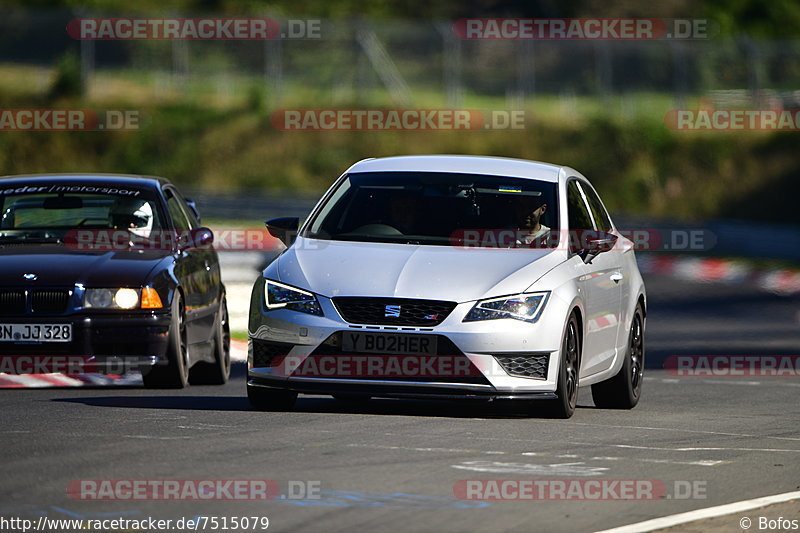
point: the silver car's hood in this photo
(337, 268)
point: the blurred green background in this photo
(598, 106)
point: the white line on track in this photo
(702, 462)
(702, 514)
(578, 469)
(155, 437)
(683, 381)
(419, 449)
(707, 449)
(681, 430)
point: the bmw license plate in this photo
(35, 332)
(391, 343)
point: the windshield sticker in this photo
(67, 188)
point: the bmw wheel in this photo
(175, 374)
(218, 372)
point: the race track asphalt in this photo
(392, 465)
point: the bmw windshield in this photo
(434, 208)
(53, 212)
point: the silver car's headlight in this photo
(527, 307)
(280, 296)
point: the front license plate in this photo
(35, 332)
(394, 343)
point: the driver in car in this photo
(403, 212)
(527, 212)
(133, 215)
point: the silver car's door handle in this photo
(616, 277)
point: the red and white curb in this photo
(34, 381)
(37, 381)
(780, 281)
(238, 351)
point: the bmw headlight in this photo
(280, 296)
(526, 307)
(122, 298)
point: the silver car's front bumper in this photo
(301, 335)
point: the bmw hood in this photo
(55, 266)
(337, 268)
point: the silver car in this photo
(452, 277)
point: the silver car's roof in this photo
(467, 164)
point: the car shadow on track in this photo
(315, 404)
(324, 405)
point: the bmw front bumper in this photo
(109, 343)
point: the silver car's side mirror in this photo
(594, 246)
(284, 229)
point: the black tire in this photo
(624, 390)
(568, 373)
(218, 372)
(175, 374)
(270, 399)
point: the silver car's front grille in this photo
(527, 365)
(393, 311)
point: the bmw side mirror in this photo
(284, 228)
(200, 238)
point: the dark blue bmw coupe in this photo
(115, 270)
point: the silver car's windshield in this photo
(439, 208)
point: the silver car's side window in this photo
(577, 212)
(598, 211)
(578, 215)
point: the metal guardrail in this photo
(254, 205)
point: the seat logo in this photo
(392, 311)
